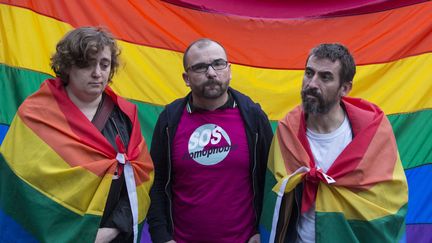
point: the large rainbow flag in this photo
(267, 42)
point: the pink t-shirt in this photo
(212, 184)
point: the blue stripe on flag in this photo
(3, 130)
(420, 193)
(13, 232)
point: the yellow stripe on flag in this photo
(365, 205)
(82, 198)
(149, 74)
(143, 191)
(276, 163)
(29, 39)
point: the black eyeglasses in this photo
(217, 64)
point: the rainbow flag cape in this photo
(55, 184)
(362, 197)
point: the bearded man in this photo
(210, 152)
(335, 173)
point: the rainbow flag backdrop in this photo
(267, 43)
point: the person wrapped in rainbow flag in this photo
(334, 172)
(74, 165)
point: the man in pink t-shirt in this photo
(210, 152)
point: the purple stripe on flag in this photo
(419, 233)
(145, 235)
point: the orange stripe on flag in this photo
(272, 43)
(31, 113)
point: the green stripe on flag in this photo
(269, 201)
(413, 133)
(384, 229)
(33, 210)
(147, 115)
(15, 85)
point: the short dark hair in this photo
(76, 47)
(334, 52)
(203, 42)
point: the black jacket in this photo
(259, 135)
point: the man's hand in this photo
(105, 235)
(255, 239)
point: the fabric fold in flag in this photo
(367, 194)
(56, 186)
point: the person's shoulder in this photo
(172, 110)
(363, 107)
(244, 100)
(39, 99)
(174, 105)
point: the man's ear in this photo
(186, 79)
(346, 88)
